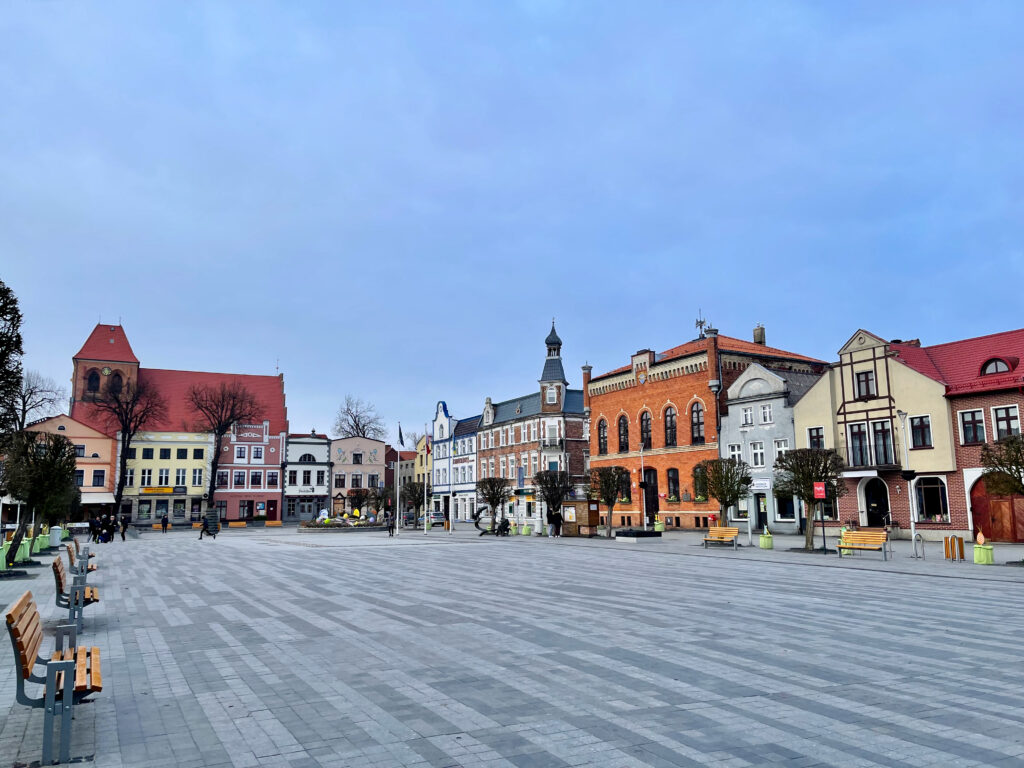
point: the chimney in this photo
(586, 388)
(759, 334)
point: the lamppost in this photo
(908, 474)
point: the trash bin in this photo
(56, 532)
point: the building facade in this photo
(660, 416)
(95, 461)
(757, 427)
(441, 428)
(357, 466)
(167, 474)
(307, 476)
(463, 468)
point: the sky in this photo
(394, 199)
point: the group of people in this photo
(555, 524)
(102, 528)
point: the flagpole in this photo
(426, 474)
(398, 466)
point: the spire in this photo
(552, 340)
(553, 370)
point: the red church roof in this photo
(108, 343)
(958, 364)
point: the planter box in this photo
(526, 530)
(659, 526)
(983, 554)
(633, 536)
(765, 542)
(342, 529)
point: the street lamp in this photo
(908, 474)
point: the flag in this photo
(429, 441)
(401, 440)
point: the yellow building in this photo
(168, 473)
(424, 461)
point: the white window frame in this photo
(918, 511)
(960, 424)
(256, 453)
(551, 396)
(747, 416)
(766, 407)
(753, 454)
(736, 451)
(241, 453)
(180, 476)
(785, 446)
(197, 478)
(992, 415)
(163, 476)
(129, 477)
(146, 478)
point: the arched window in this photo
(670, 427)
(673, 484)
(932, 504)
(700, 483)
(697, 424)
(645, 429)
(995, 365)
(625, 488)
(602, 437)
(623, 434)
(116, 383)
(92, 384)
(307, 458)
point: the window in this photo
(339, 479)
(735, 451)
(179, 476)
(116, 384)
(79, 477)
(748, 417)
(165, 453)
(293, 477)
(1005, 421)
(766, 414)
(131, 453)
(80, 451)
(670, 427)
(865, 385)
(357, 458)
(625, 490)
(197, 453)
(222, 509)
(165, 476)
(146, 478)
(182, 453)
(552, 395)
(858, 445)
(239, 479)
(931, 500)
(372, 481)
(271, 479)
(920, 432)
(816, 438)
(645, 430)
(306, 458)
(757, 454)
(240, 453)
(129, 477)
(781, 447)
(93, 382)
(784, 508)
(602, 437)
(697, 424)
(147, 453)
(623, 434)
(197, 477)
(256, 479)
(994, 366)
(501, 466)
(307, 476)
(357, 480)
(320, 476)
(700, 483)
(257, 453)
(222, 478)
(881, 432)
(672, 476)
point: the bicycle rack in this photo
(918, 538)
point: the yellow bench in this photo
(867, 540)
(721, 535)
(273, 524)
(196, 526)
(236, 524)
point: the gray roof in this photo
(552, 337)
(530, 406)
(797, 382)
(553, 370)
(466, 426)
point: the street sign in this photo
(819, 490)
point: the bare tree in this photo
(797, 472)
(607, 483)
(359, 418)
(220, 407)
(38, 397)
(495, 492)
(1004, 466)
(129, 409)
(413, 495)
(728, 480)
(412, 438)
(554, 488)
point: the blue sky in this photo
(393, 199)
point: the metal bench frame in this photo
(74, 599)
(723, 539)
(883, 546)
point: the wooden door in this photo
(1001, 518)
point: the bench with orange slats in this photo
(75, 596)
(721, 535)
(75, 566)
(865, 540)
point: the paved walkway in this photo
(272, 648)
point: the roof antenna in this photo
(277, 365)
(700, 323)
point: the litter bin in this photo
(56, 532)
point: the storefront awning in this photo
(97, 498)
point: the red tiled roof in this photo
(174, 386)
(406, 455)
(725, 344)
(317, 436)
(957, 364)
(108, 343)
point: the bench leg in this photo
(735, 543)
(65, 720)
(884, 556)
(48, 711)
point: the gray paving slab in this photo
(280, 649)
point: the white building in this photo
(441, 432)
(307, 473)
(463, 468)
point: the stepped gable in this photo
(957, 364)
(108, 343)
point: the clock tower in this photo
(105, 363)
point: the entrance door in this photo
(761, 505)
(876, 502)
(272, 509)
(651, 493)
(1000, 518)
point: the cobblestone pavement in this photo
(272, 648)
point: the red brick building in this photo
(671, 403)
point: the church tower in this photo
(105, 362)
(552, 379)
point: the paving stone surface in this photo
(285, 650)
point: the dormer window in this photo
(552, 395)
(995, 365)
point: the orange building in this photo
(660, 415)
(95, 461)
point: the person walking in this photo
(390, 520)
(557, 517)
(124, 525)
(163, 523)
(551, 524)
(206, 529)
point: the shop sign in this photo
(157, 489)
(180, 489)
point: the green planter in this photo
(765, 541)
(527, 530)
(24, 551)
(659, 525)
(983, 554)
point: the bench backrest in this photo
(26, 631)
(71, 554)
(60, 576)
(722, 531)
(865, 537)
(77, 550)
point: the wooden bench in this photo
(78, 550)
(77, 566)
(72, 672)
(273, 524)
(721, 535)
(75, 596)
(236, 524)
(867, 540)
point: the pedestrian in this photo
(206, 529)
(551, 524)
(390, 520)
(163, 523)
(124, 525)
(94, 529)
(558, 523)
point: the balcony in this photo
(871, 456)
(555, 443)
